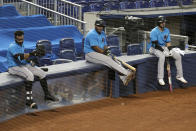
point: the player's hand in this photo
(26, 56)
(33, 53)
(166, 52)
(107, 52)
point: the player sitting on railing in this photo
(160, 40)
(18, 65)
(96, 51)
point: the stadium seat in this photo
(67, 54)
(134, 49)
(4, 64)
(44, 61)
(113, 40)
(111, 5)
(172, 2)
(131, 5)
(144, 4)
(127, 5)
(96, 6)
(67, 43)
(85, 6)
(114, 44)
(187, 2)
(47, 45)
(123, 5)
(137, 4)
(47, 59)
(115, 50)
(157, 3)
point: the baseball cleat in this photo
(31, 104)
(161, 82)
(50, 97)
(181, 79)
(129, 77)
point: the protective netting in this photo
(69, 90)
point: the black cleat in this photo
(50, 97)
(31, 104)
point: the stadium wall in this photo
(80, 81)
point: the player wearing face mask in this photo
(18, 65)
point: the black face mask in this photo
(20, 43)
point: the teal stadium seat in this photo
(134, 49)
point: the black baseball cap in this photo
(100, 22)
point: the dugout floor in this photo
(153, 111)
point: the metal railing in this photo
(58, 12)
(176, 40)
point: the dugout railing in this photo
(176, 40)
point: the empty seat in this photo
(115, 50)
(172, 2)
(45, 61)
(67, 43)
(113, 40)
(134, 49)
(85, 6)
(3, 64)
(47, 45)
(67, 54)
(123, 5)
(96, 6)
(157, 3)
(187, 2)
(111, 5)
(144, 4)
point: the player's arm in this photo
(168, 42)
(104, 51)
(21, 56)
(155, 43)
(97, 49)
(157, 46)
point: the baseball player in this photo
(161, 44)
(96, 51)
(18, 65)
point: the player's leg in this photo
(161, 62)
(98, 58)
(42, 75)
(178, 63)
(25, 73)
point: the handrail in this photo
(53, 11)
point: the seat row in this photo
(66, 50)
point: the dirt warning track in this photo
(153, 111)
